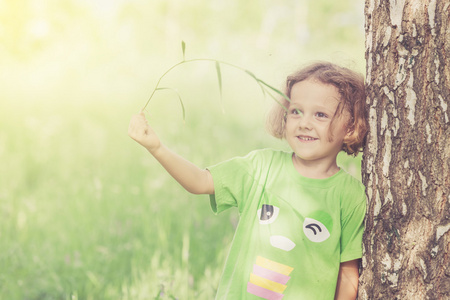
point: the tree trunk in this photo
(406, 165)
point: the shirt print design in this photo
(269, 278)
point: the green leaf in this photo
(179, 98)
(257, 81)
(275, 90)
(219, 79)
(280, 93)
(276, 99)
(252, 75)
(263, 86)
(183, 48)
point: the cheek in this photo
(288, 126)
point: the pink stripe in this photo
(263, 293)
(269, 274)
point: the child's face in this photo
(312, 108)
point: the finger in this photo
(142, 115)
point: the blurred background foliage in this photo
(85, 213)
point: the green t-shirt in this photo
(293, 231)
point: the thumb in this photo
(142, 114)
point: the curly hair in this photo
(351, 88)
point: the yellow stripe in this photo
(267, 284)
(274, 266)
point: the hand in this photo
(190, 176)
(141, 132)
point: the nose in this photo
(305, 122)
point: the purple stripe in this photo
(263, 293)
(269, 274)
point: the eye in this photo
(295, 112)
(267, 214)
(315, 231)
(321, 115)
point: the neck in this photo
(315, 169)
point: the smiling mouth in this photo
(306, 138)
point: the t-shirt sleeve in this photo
(232, 183)
(352, 227)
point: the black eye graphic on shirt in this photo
(314, 227)
(315, 231)
(267, 214)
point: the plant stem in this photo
(184, 62)
(261, 83)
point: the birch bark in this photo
(406, 165)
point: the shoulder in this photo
(266, 154)
(350, 183)
(266, 158)
(262, 156)
(353, 192)
(261, 159)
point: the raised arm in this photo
(190, 176)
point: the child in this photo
(301, 216)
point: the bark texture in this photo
(406, 165)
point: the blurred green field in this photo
(85, 212)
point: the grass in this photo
(86, 213)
